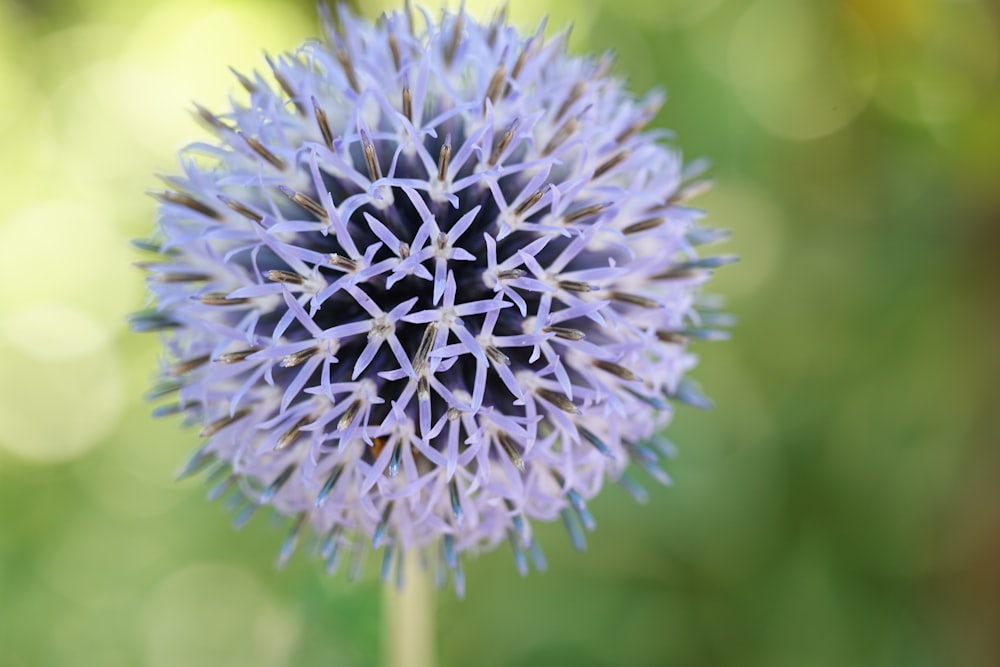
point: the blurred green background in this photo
(841, 506)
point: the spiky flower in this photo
(426, 286)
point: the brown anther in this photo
(181, 277)
(643, 225)
(565, 333)
(219, 424)
(444, 159)
(371, 159)
(394, 51)
(404, 250)
(634, 299)
(575, 93)
(496, 85)
(306, 202)
(558, 400)
(577, 286)
(296, 358)
(289, 436)
(241, 208)
(378, 445)
(611, 163)
(529, 202)
(323, 123)
(678, 274)
(247, 84)
(344, 58)
(423, 388)
(615, 369)
(511, 274)
(586, 212)
(499, 19)
(671, 337)
(352, 411)
(408, 103)
(341, 262)
(456, 36)
(188, 365)
(503, 143)
(510, 448)
(287, 87)
(235, 357)
(210, 118)
(497, 356)
(262, 151)
(564, 133)
(288, 277)
(220, 299)
(187, 201)
(426, 342)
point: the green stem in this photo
(408, 617)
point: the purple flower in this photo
(426, 286)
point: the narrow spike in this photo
(634, 489)
(573, 528)
(221, 488)
(323, 123)
(575, 93)
(210, 119)
(580, 507)
(292, 434)
(586, 212)
(382, 527)
(387, 559)
(634, 299)
(188, 365)
(497, 356)
(263, 152)
(456, 35)
(331, 482)
(241, 208)
(533, 199)
(592, 438)
(187, 201)
(296, 358)
(172, 278)
(520, 559)
(577, 286)
(504, 142)
(611, 163)
(616, 369)
(456, 504)
(511, 274)
(643, 225)
(275, 486)
(512, 450)
(305, 201)
(561, 135)
(247, 84)
(496, 85)
(287, 87)
(565, 333)
(220, 299)
(394, 51)
(450, 557)
(200, 460)
(558, 400)
(161, 389)
(408, 103)
(444, 158)
(396, 460)
(288, 277)
(343, 263)
(221, 423)
(290, 543)
(689, 393)
(348, 417)
(243, 516)
(420, 358)
(344, 58)
(371, 159)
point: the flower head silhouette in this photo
(426, 286)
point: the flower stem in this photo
(408, 617)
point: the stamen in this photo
(423, 388)
(341, 262)
(495, 86)
(456, 36)
(305, 201)
(575, 94)
(263, 152)
(644, 225)
(577, 286)
(323, 123)
(348, 417)
(247, 84)
(394, 51)
(371, 159)
(592, 438)
(188, 365)
(408, 103)
(187, 201)
(279, 481)
(456, 503)
(284, 277)
(287, 87)
(444, 158)
(635, 300)
(559, 400)
(511, 449)
(615, 369)
(331, 481)
(220, 299)
(289, 436)
(296, 358)
(504, 142)
(564, 133)
(222, 423)
(210, 118)
(529, 202)
(671, 337)
(176, 277)
(586, 212)
(344, 58)
(565, 333)
(497, 356)
(420, 359)
(511, 274)
(235, 357)
(241, 208)
(611, 163)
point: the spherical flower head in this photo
(428, 285)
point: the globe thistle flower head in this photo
(432, 281)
